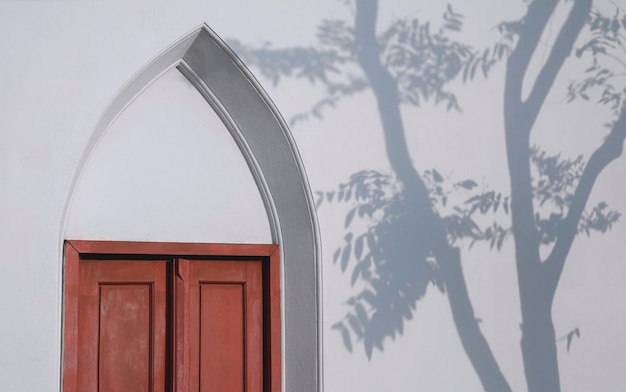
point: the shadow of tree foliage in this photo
(381, 255)
(422, 60)
(404, 229)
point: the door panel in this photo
(222, 332)
(122, 326)
(226, 327)
(124, 355)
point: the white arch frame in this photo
(270, 151)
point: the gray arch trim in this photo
(270, 151)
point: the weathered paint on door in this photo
(150, 320)
(122, 326)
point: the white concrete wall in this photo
(62, 61)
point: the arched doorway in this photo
(266, 144)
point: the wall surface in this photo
(168, 170)
(398, 313)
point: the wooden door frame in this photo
(75, 250)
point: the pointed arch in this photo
(270, 151)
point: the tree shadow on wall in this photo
(415, 222)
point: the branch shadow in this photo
(392, 248)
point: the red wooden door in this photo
(139, 318)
